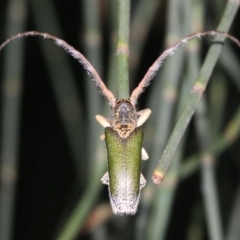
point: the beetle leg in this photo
(105, 179)
(102, 137)
(142, 181)
(144, 154)
(103, 121)
(143, 116)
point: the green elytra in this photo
(124, 164)
(124, 167)
(123, 131)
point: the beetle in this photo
(124, 136)
(123, 131)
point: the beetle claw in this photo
(105, 179)
(142, 181)
(144, 155)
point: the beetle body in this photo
(124, 139)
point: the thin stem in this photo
(11, 103)
(92, 50)
(78, 216)
(112, 63)
(229, 135)
(233, 231)
(231, 64)
(218, 100)
(123, 48)
(210, 196)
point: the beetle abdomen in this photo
(124, 169)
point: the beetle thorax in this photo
(124, 117)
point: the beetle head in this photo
(124, 113)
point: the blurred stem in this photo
(218, 101)
(233, 232)
(123, 48)
(112, 63)
(229, 135)
(11, 101)
(92, 44)
(210, 196)
(162, 205)
(193, 23)
(195, 94)
(231, 64)
(76, 220)
(62, 80)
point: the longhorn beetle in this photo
(123, 131)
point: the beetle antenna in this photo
(152, 71)
(75, 54)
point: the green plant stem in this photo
(222, 142)
(78, 216)
(11, 101)
(195, 95)
(196, 230)
(92, 50)
(212, 213)
(123, 48)
(233, 231)
(218, 99)
(210, 196)
(193, 22)
(162, 205)
(231, 64)
(112, 64)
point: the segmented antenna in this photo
(152, 71)
(75, 54)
